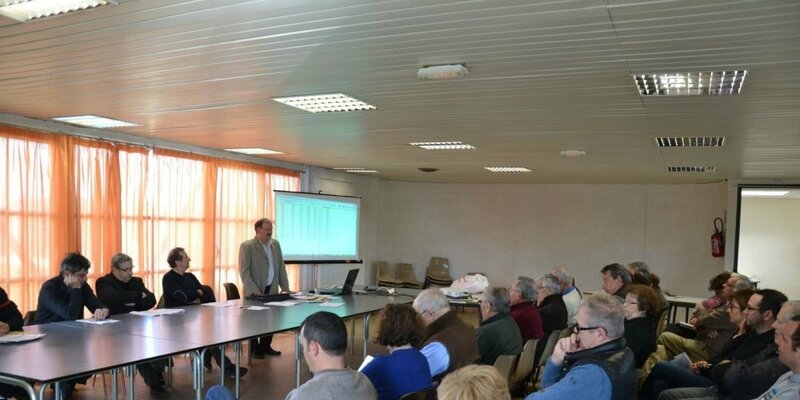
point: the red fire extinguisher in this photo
(718, 239)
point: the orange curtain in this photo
(103, 198)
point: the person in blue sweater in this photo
(405, 369)
(593, 362)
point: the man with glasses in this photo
(448, 342)
(497, 334)
(593, 362)
(123, 293)
(62, 298)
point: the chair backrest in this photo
(405, 272)
(549, 347)
(439, 269)
(30, 318)
(161, 302)
(525, 363)
(426, 394)
(231, 291)
(505, 365)
(384, 273)
(661, 323)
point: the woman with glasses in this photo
(641, 311)
(405, 369)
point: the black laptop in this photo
(347, 288)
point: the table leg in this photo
(366, 333)
(58, 390)
(237, 346)
(114, 388)
(25, 385)
(222, 365)
(197, 366)
(130, 370)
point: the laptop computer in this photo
(347, 288)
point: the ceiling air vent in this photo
(690, 141)
(712, 83)
(691, 169)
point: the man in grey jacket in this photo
(262, 271)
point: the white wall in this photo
(769, 243)
(509, 230)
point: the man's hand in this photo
(199, 292)
(699, 366)
(72, 281)
(100, 314)
(712, 333)
(4, 328)
(257, 293)
(565, 345)
(196, 301)
(693, 320)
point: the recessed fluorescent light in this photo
(255, 151)
(358, 170)
(691, 169)
(443, 145)
(690, 141)
(716, 83)
(94, 121)
(764, 193)
(573, 153)
(507, 169)
(26, 10)
(333, 102)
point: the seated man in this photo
(498, 334)
(63, 297)
(551, 308)
(572, 296)
(594, 362)
(182, 288)
(448, 343)
(615, 277)
(323, 338)
(523, 308)
(10, 320)
(787, 337)
(713, 330)
(759, 316)
(474, 382)
(123, 293)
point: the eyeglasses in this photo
(733, 306)
(126, 270)
(748, 308)
(578, 329)
(630, 302)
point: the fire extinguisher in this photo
(718, 239)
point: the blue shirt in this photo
(400, 372)
(438, 357)
(585, 381)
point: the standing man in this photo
(262, 270)
(62, 298)
(123, 293)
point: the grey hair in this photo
(605, 311)
(794, 310)
(432, 300)
(527, 286)
(498, 298)
(118, 259)
(550, 281)
(617, 271)
(742, 282)
(564, 275)
(640, 266)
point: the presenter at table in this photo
(262, 270)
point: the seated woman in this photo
(405, 369)
(641, 310)
(666, 375)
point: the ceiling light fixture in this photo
(717, 83)
(26, 10)
(442, 72)
(507, 169)
(443, 145)
(573, 153)
(691, 169)
(255, 151)
(93, 121)
(319, 103)
(358, 170)
(764, 193)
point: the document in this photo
(367, 360)
(19, 337)
(285, 303)
(256, 308)
(330, 304)
(98, 321)
(158, 312)
(218, 304)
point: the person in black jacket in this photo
(123, 293)
(62, 298)
(10, 320)
(552, 308)
(641, 307)
(182, 288)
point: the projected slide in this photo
(316, 227)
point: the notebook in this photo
(347, 288)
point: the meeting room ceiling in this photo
(544, 76)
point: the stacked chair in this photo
(438, 273)
(406, 275)
(385, 276)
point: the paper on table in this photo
(367, 360)
(218, 304)
(19, 337)
(158, 312)
(98, 321)
(285, 303)
(256, 308)
(330, 304)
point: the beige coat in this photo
(253, 265)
